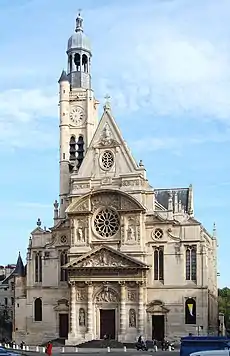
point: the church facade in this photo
(122, 257)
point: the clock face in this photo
(77, 115)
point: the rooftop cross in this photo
(107, 102)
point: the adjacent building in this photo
(122, 257)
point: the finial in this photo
(56, 205)
(107, 105)
(141, 163)
(214, 230)
(39, 222)
(79, 22)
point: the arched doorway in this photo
(106, 301)
(158, 319)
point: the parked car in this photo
(5, 352)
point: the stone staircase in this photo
(99, 344)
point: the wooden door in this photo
(63, 325)
(107, 323)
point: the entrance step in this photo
(98, 344)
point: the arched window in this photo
(77, 61)
(38, 309)
(158, 264)
(85, 63)
(72, 148)
(190, 311)
(80, 150)
(38, 267)
(63, 261)
(191, 263)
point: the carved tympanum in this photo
(105, 200)
(107, 296)
(104, 259)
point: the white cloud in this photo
(26, 118)
(167, 61)
(178, 143)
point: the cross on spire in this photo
(79, 21)
(107, 102)
(107, 97)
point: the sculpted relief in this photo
(107, 296)
(103, 259)
(132, 233)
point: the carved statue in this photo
(132, 318)
(80, 235)
(81, 317)
(131, 234)
(106, 138)
(107, 296)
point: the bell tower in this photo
(78, 109)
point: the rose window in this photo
(107, 160)
(106, 222)
(158, 234)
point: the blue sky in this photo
(166, 66)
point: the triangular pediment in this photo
(106, 257)
(108, 152)
(156, 308)
(38, 230)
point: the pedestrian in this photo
(155, 345)
(49, 347)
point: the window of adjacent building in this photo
(6, 301)
(38, 267)
(12, 300)
(191, 263)
(158, 264)
(12, 285)
(190, 311)
(38, 309)
(63, 261)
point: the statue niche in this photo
(132, 318)
(81, 317)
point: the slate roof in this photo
(19, 271)
(162, 196)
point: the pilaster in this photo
(89, 335)
(122, 311)
(141, 309)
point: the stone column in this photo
(141, 309)
(90, 309)
(123, 309)
(73, 310)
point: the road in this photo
(92, 352)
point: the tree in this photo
(224, 305)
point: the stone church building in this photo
(122, 257)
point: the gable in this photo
(108, 153)
(105, 257)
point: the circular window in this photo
(158, 234)
(106, 222)
(63, 239)
(107, 160)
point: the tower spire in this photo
(79, 22)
